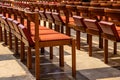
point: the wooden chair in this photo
(79, 27)
(110, 32)
(92, 29)
(50, 41)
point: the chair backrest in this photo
(4, 22)
(92, 24)
(78, 21)
(9, 20)
(26, 37)
(49, 16)
(42, 15)
(1, 19)
(15, 24)
(109, 28)
(57, 17)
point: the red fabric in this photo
(44, 31)
(52, 37)
(44, 35)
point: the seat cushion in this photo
(43, 31)
(53, 37)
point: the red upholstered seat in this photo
(43, 31)
(53, 37)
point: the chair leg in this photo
(1, 35)
(78, 39)
(100, 42)
(29, 58)
(87, 38)
(50, 25)
(10, 40)
(37, 63)
(90, 44)
(57, 28)
(62, 29)
(115, 48)
(42, 50)
(61, 56)
(73, 59)
(105, 51)
(51, 52)
(68, 31)
(22, 53)
(44, 23)
(5, 36)
(16, 45)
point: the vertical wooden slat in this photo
(100, 42)
(28, 25)
(67, 21)
(51, 52)
(16, 45)
(61, 56)
(16, 39)
(37, 58)
(1, 34)
(115, 48)
(29, 58)
(90, 44)
(105, 51)
(5, 36)
(78, 39)
(22, 53)
(10, 35)
(73, 59)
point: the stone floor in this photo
(88, 68)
